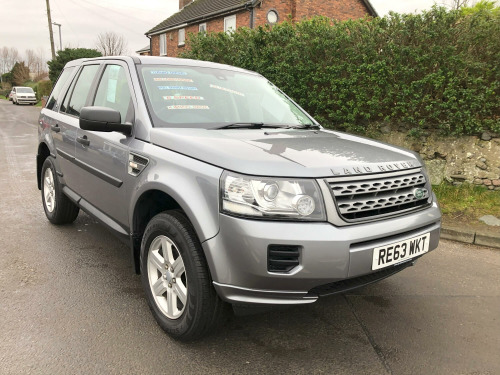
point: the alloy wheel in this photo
(167, 277)
(49, 191)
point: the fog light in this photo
(304, 204)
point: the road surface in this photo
(70, 304)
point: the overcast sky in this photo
(24, 22)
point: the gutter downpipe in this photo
(248, 5)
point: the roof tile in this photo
(202, 8)
(195, 10)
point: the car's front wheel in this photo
(57, 206)
(176, 280)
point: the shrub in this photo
(20, 74)
(56, 65)
(436, 70)
(44, 89)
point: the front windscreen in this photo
(25, 90)
(180, 96)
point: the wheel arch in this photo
(42, 154)
(150, 203)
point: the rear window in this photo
(55, 96)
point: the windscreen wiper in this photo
(250, 125)
(307, 126)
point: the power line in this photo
(104, 17)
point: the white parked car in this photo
(23, 95)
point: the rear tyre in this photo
(58, 208)
(176, 279)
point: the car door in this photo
(64, 124)
(103, 156)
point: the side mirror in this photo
(103, 119)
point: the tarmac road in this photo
(70, 303)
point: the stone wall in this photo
(469, 159)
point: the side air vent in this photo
(136, 164)
(282, 258)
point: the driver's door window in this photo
(113, 92)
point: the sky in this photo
(24, 22)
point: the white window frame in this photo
(181, 37)
(202, 27)
(227, 28)
(163, 44)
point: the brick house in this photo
(168, 37)
(143, 51)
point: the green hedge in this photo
(437, 70)
(43, 89)
(5, 92)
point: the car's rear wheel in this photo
(176, 279)
(57, 206)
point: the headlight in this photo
(271, 198)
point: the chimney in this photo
(183, 3)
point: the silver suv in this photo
(225, 189)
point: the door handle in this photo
(83, 140)
(55, 128)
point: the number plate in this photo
(400, 251)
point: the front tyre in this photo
(176, 280)
(57, 206)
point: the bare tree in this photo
(457, 4)
(8, 57)
(41, 68)
(13, 56)
(111, 44)
(31, 59)
(4, 57)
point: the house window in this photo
(202, 28)
(163, 44)
(230, 24)
(182, 37)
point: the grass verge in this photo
(467, 201)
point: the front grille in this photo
(282, 258)
(360, 200)
(357, 282)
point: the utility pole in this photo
(50, 31)
(60, 39)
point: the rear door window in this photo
(81, 90)
(56, 95)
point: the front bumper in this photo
(26, 100)
(238, 256)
